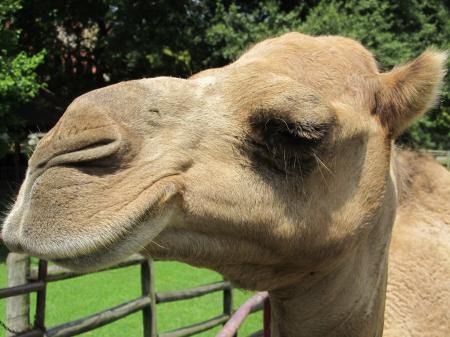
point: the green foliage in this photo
(95, 43)
(394, 31)
(18, 80)
(232, 30)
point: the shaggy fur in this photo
(277, 170)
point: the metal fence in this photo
(24, 279)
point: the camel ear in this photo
(408, 91)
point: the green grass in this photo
(75, 298)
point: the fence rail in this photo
(56, 273)
(442, 156)
(22, 289)
(99, 319)
(196, 328)
(35, 279)
(170, 296)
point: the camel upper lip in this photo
(84, 248)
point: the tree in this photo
(95, 43)
(395, 31)
(18, 80)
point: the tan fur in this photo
(410, 90)
(277, 170)
(418, 293)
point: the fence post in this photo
(17, 307)
(39, 320)
(148, 289)
(267, 317)
(228, 303)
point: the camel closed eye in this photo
(285, 145)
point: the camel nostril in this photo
(87, 145)
(93, 145)
(87, 153)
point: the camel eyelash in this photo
(284, 145)
(276, 131)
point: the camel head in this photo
(271, 168)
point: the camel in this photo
(278, 171)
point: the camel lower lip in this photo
(89, 252)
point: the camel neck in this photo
(347, 302)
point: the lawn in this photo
(75, 298)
